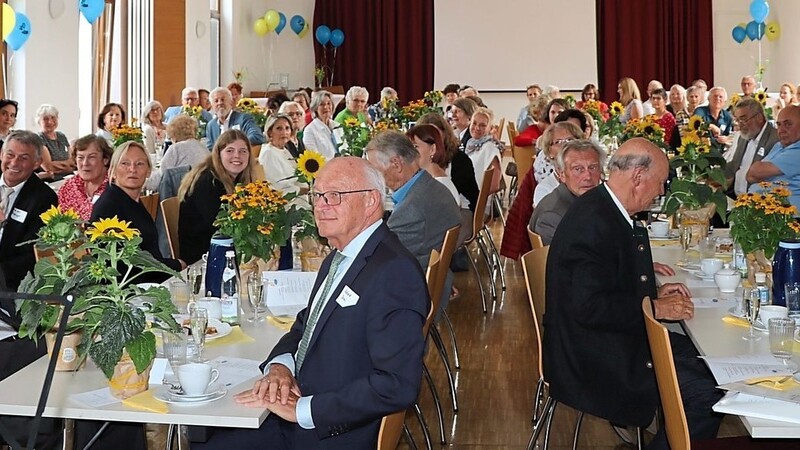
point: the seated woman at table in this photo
(92, 155)
(554, 137)
(111, 116)
(236, 93)
(356, 101)
(130, 166)
(8, 117)
(577, 118)
(153, 126)
(323, 134)
(460, 116)
(482, 148)
(302, 98)
(230, 163)
(631, 99)
(664, 118)
(278, 163)
(525, 119)
(295, 112)
(538, 109)
(694, 98)
(590, 92)
(57, 160)
(275, 101)
(186, 150)
(461, 170)
(434, 159)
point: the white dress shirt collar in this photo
(621, 208)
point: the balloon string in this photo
(333, 67)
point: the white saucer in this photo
(164, 394)
(758, 326)
(223, 329)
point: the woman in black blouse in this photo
(229, 164)
(129, 169)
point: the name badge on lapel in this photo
(19, 215)
(236, 127)
(760, 151)
(348, 297)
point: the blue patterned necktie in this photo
(315, 312)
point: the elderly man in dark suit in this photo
(596, 356)
(355, 353)
(756, 139)
(227, 118)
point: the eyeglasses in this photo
(744, 119)
(562, 141)
(333, 198)
(294, 114)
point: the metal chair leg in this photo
(426, 433)
(496, 257)
(551, 413)
(544, 419)
(409, 438)
(478, 281)
(639, 438)
(437, 340)
(436, 401)
(452, 332)
(577, 431)
(537, 399)
(486, 259)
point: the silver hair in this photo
(45, 111)
(375, 180)
(221, 90)
(388, 92)
(392, 143)
(28, 138)
(286, 105)
(317, 99)
(148, 108)
(753, 107)
(188, 90)
(718, 88)
(680, 89)
(356, 91)
(274, 119)
(579, 145)
(622, 162)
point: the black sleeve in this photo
(196, 218)
(463, 175)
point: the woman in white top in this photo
(554, 137)
(433, 157)
(278, 163)
(323, 134)
(482, 148)
(631, 99)
(153, 126)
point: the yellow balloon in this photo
(773, 31)
(260, 27)
(304, 31)
(272, 18)
(9, 20)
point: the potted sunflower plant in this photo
(113, 316)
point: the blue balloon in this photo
(22, 31)
(323, 34)
(281, 24)
(92, 9)
(762, 28)
(739, 34)
(297, 23)
(759, 9)
(337, 38)
(752, 30)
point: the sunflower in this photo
(246, 103)
(735, 98)
(351, 122)
(695, 123)
(309, 164)
(55, 213)
(616, 108)
(761, 96)
(111, 228)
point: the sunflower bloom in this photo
(309, 164)
(695, 123)
(112, 228)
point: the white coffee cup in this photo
(196, 377)
(212, 304)
(771, 312)
(710, 266)
(658, 228)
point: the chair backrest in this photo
(435, 286)
(170, 209)
(512, 134)
(449, 246)
(667, 380)
(500, 126)
(150, 203)
(391, 430)
(536, 240)
(478, 217)
(534, 264)
(523, 156)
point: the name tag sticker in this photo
(236, 127)
(348, 297)
(19, 215)
(96, 197)
(760, 151)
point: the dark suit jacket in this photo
(595, 345)
(363, 361)
(34, 198)
(548, 213)
(768, 140)
(238, 119)
(424, 216)
(462, 172)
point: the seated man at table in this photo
(227, 118)
(783, 162)
(595, 350)
(756, 139)
(354, 355)
(189, 97)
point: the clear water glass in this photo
(686, 242)
(195, 279)
(198, 321)
(255, 294)
(752, 307)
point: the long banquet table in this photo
(715, 338)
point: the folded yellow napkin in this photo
(146, 401)
(663, 243)
(236, 336)
(736, 321)
(282, 322)
(778, 382)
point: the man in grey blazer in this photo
(579, 166)
(226, 118)
(757, 137)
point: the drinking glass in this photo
(198, 320)
(752, 306)
(781, 337)
(792, 291)
(195, 279)
(175, 348)
(255, 294)
(686, 242)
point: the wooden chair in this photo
(514, 185)
(533, 266)
(500, 126)
(478, 224)
(536, 240)
(392, 427)
(170, 209)
(523, 156)
(150, 203)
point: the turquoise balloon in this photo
(21, 33)
(759, 10)
(297, 23)
(281, 24)
(323, 35)
(92, 9)
(752, 30)
(337, 38)
(739, 34)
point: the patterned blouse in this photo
(72, 194)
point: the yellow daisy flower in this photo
(309, 163)
(111, 228)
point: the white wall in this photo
(44, 70)
(198, 45)
(732, 60)
(263, 59)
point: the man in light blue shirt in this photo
(783, 162)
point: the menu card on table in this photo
(288, 292)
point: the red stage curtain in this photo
(666, 40)
(387, 43)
